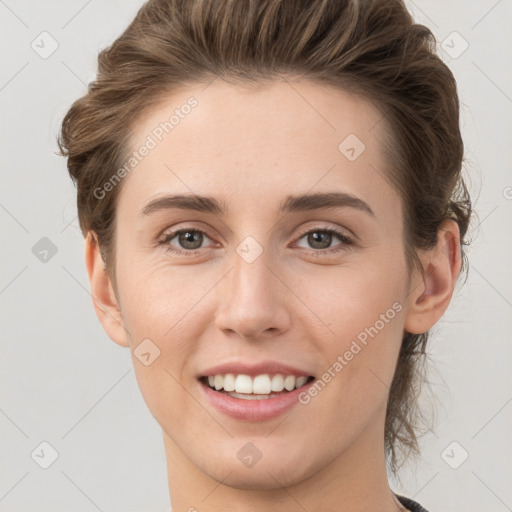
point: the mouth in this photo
(254, 391)
(260, 387)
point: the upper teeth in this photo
(260, 385)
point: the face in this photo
(266, 276)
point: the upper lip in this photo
(254, 369)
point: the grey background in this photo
(64, 382)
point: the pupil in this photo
(314, 238)
(189, 238)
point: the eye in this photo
(189, 240)
(321, 239)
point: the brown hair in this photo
(369, 47)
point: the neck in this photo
(355, 479)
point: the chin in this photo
(272, 472)
(257, 479)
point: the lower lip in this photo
(253, 410)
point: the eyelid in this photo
(302, 231)
(347, 239)
(347, 242)
(174, 230)
(316, 227)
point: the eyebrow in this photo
(304, 202)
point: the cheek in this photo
(159, 306)
(158, 298)
(363, 308)
(352, 298)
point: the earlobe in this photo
(104, 300)
(430, 296)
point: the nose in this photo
(253, 300)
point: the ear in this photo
(104, 299)
(430, 295)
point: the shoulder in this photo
(409, 504)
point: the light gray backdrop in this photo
(65, 384)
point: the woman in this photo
(274, 214)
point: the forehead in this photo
(255, 142)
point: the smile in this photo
(259, 387)
(257, 398)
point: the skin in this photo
(250, 147)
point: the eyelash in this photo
(346, 240)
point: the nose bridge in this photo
(251, 275)
(250, 301)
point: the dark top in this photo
(409, 504)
